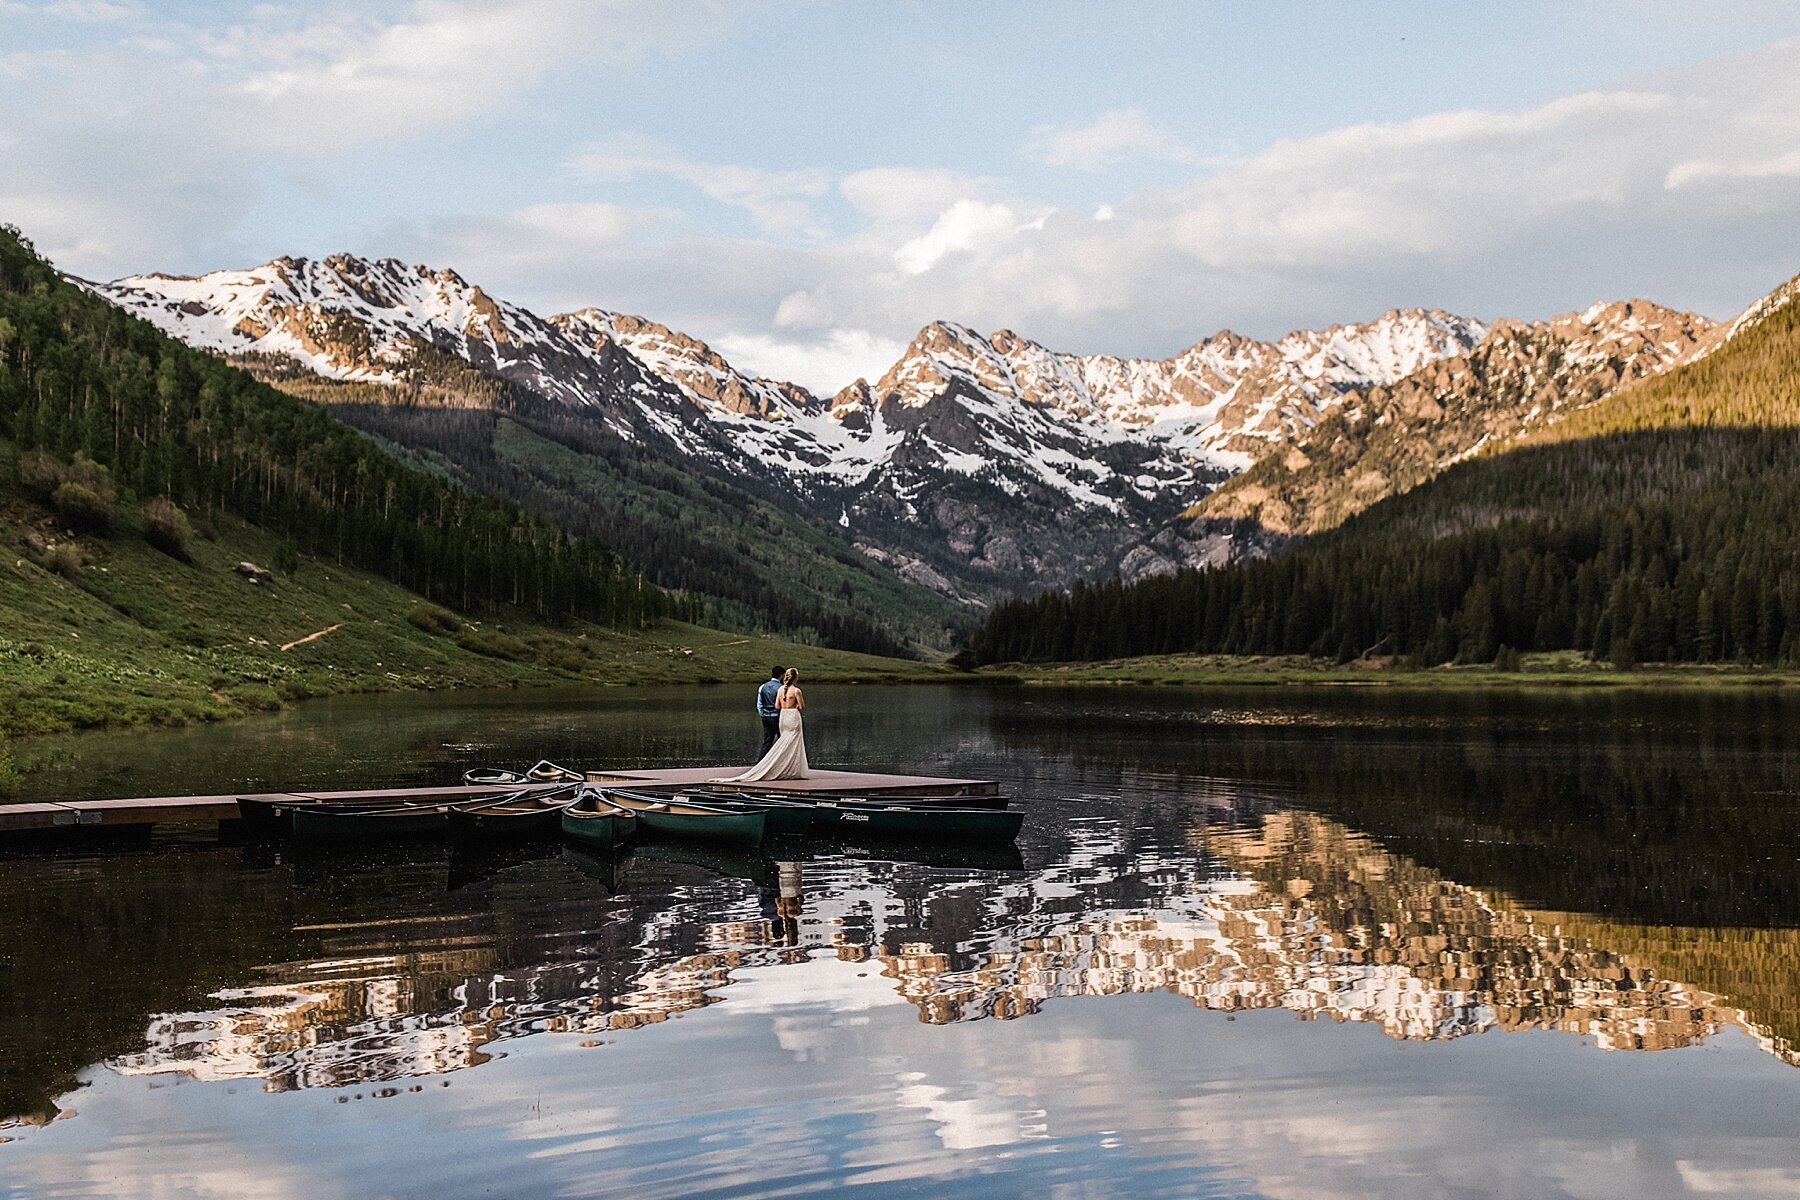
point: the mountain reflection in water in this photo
(1415, 868)
(1295, 911)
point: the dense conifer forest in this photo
(751, 563)
(105, 407)
(1660, 524)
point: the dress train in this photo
(786, 759)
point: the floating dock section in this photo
(830, 783)
(146, 811)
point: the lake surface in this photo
(1270, 942)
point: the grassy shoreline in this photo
(116, 633)
(1562, 669)
(51, 689)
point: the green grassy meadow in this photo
(117, 633)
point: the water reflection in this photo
(1556, 876)
(1294, 911)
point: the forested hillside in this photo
(186, 543)
(749, 563)
(110, 403)
(1659, 524)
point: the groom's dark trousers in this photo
(771, 731)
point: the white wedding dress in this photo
(786, 759)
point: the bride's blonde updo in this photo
(790, 677)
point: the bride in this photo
(786, 759)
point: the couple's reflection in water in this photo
(1289, 910)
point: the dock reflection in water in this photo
(1360, 899)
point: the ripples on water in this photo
(1562, 875)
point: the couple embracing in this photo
(778, 703)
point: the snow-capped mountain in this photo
(1394, 436)
(1221, 401)
(975, 465)
(1213, 406)
(1031, 465)
(351, 319)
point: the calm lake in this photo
(1263, 942)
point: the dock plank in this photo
(20, 818)
(156, 810)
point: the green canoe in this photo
(846, 818)
(692, 822)
(780, 818)
(520, 816)
(594, 821)
(335, 823)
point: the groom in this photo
(765, 708)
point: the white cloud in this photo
(352, 80)
(151, 146)
(88, 11)
(779, 201)
(1437, 183)
(821, 364)
(904, 195)
(1119, 135)
(1705, 171)
(1524, 212)
(966, 225)
(534, 237)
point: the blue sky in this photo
(804, 184)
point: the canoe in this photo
(852, 818)
(479, 776)
(848, 818)
(781, 817)
(271, 819)
(545, 771)
(535, 814)
(594, 821)
(343, 823)
(716, 795)
(691, 822)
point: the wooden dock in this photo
(857, 783)
(73, 816)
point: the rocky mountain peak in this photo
(701, 373)
(1399, 433)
